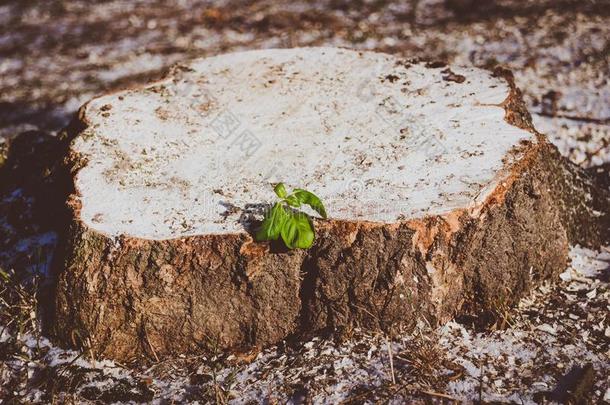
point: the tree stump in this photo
(441, 197)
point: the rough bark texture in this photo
(131, 299)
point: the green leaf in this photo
(310, 199)
(297, 231)
(272, 224)
(289, 231)
(4, 275)
(280, 190)
(293, 201)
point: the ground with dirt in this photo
(56, 55)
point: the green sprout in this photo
(294, 226)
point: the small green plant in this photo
(283, 219)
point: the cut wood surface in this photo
(442, 201)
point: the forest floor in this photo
(56, 55)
